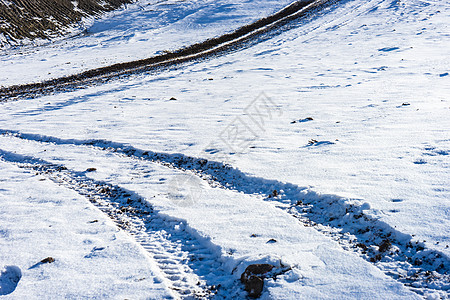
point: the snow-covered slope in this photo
(338, 126)
(144, 29)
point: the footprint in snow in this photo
(420, 162)
(302, 120)
(9, 278)
(211, 151)
(317, 143)
(396, 200)
(388, 49)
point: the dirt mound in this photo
(32, 19)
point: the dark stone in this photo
(254, 286)
(274, 194)
(48, 260)
(253, 278)
(91, 169)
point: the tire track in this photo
(238, 39)
(187, 262)
(345, 220)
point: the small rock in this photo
(173, 98)
(254, 286)
(405, 104)
(271, 241)
(91, 169)
(273, 194)
(253, 278)
(48, 260)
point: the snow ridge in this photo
(348, 221)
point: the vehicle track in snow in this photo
(238, 39)
(345, 220)
(186, 262)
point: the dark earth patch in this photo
(29, 19)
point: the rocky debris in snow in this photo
(384, 246)
(91, 169)
(274, 194)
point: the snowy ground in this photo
(350, 108)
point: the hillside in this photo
(27, 20)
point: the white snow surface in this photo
(40, 219)
(367, 84)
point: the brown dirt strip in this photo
(238, 39)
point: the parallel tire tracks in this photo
(209, 48)
(344, 220)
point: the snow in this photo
(310, 255)
(369, 75)
(143, 29)
(40, 219)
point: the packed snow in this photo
(337, 125)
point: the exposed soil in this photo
(31, 19)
